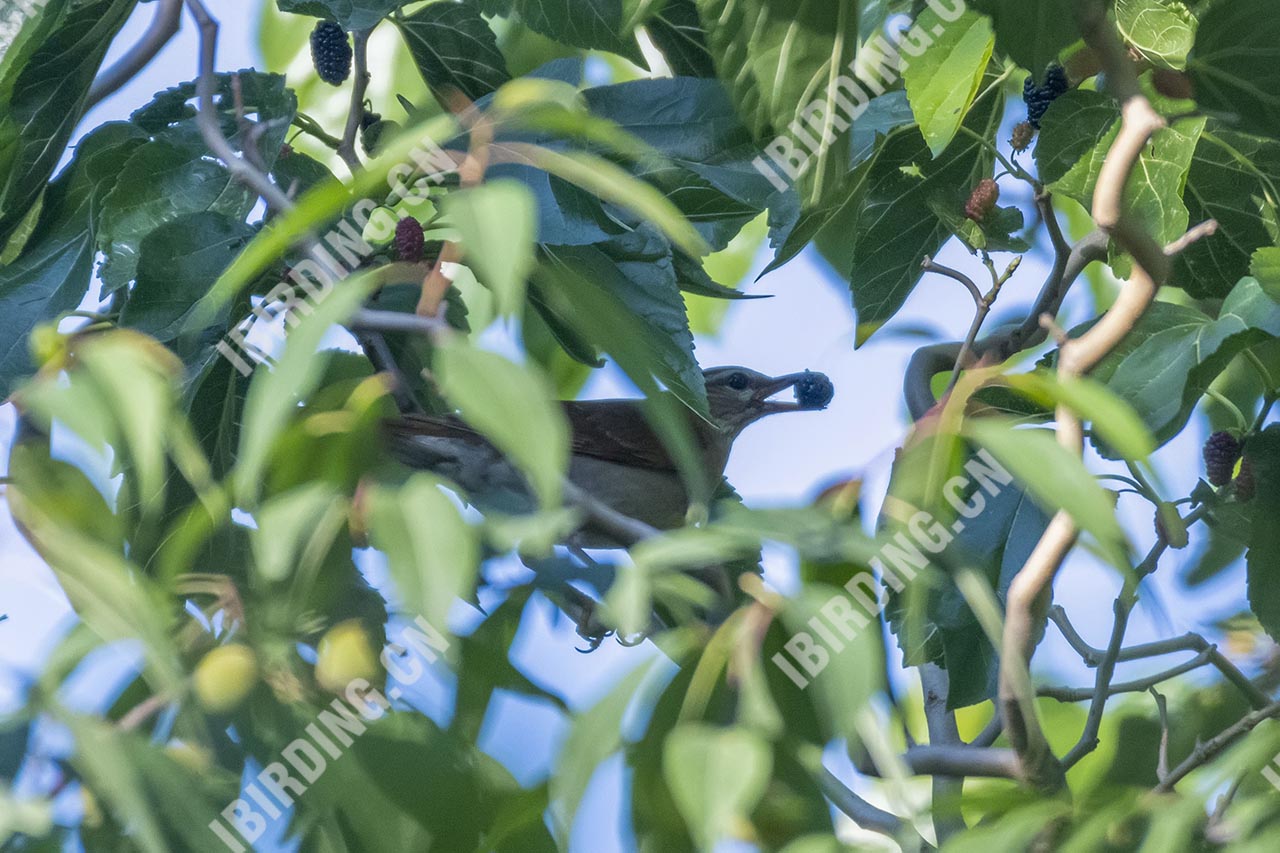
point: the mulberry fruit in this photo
(982, 200)
(409, 242)
(1245, 484)
(1023, 133)
(331, 52)
(1038, 98)
(1220, 454)
(814, 390)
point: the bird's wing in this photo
(612, 430)
(616, 431)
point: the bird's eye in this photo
(737, 381)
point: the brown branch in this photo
(1028, 594)
(359, 85)
(163, 27)
(943, 731)
(207, 118)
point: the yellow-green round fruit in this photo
(194, 758)
(345, 654)
(225, 677)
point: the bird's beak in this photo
(781, 383)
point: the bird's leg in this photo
(579, 607)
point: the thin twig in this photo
(930, 265)
(1210, 748)
(163, 27)
(859, 810)
(1162, 761)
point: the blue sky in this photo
(807, 324)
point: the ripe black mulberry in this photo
(409, 242)
(1220, 454)
(814, 390)
(331, 52)
(1245, 484)
(1038, 98)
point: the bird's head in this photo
(738, 396)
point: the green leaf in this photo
(454, 48)
(1265, 267)
(177, 263)
(351, 14)
(274, 394)
(1162, 31)
(497, 224)
(1032, 34)
(53, 272)
(432, 553)
(1233, 179)
(1166, 373)
(591, 24)
(160, 183)
(778, 58)
(1112, 419)
(1263, 560)
(1235, 67)
(716, 776)
(39, 108)
(487, 388)
(677, 31)
(942, 83)
(596, 734)
(285, 526)
(1056, 479)
(636, 273)
(613, 183)
(896, 226)
(1153, 193)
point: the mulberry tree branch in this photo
(1028, 593)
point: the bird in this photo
(615, 456)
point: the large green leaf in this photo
(777, 59)
(161, 183)
(1032, 34)
(1235, 179)
(677, 31)
(592, 24)
(1077, 133)
(177, 263)
(432, 552)
(943, 81)
(453, 47)
(1162, 31)
(1166, 373)
(497, 223)
(487, 388)
(40, 110)
(352, 14)
(1235, 67)
(1054, 477)
(896, 225)
(716, 776)
(53, 272)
